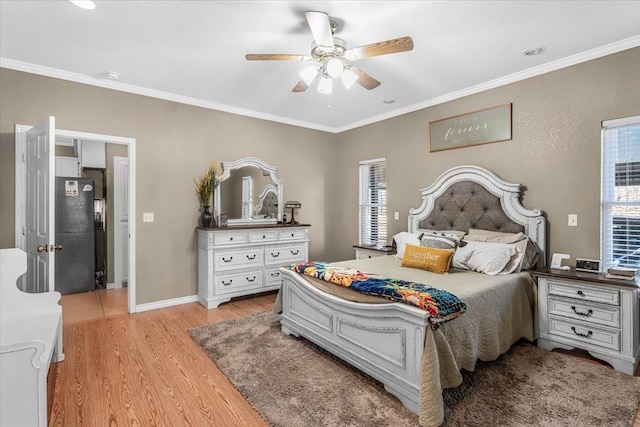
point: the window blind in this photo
(620, 207)
(373, 202)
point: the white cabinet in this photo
(67, 166)
(94, 154)
(590, 312)
(241, 261)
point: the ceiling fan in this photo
(334, 56)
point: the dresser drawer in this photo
(284, 254)
(274, 277)
(241, 258)
(600, 314)
(265, 236)
(584, 292)
(229, 238)
(292, 235)
(228, 283)
(584, 332)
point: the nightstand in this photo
(590, 312)
(366, 251)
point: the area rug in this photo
(291, 382)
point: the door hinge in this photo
(23, 160)
(24, 231)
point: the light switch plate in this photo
(396, 215)
(147, 217)
(572, 220)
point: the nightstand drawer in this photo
(585, 293)
(594, 313)
(584, 332)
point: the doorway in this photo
(126, 150)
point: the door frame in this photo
(118, 187)
(20, 195)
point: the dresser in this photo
(238, 261)
(590, 312)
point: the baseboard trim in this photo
(166, 303)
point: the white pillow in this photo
(487, 258)
(518, 241)
(402, 239)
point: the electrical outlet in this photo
(396, 215)
(147, 217)
(572, 220)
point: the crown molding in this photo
(589, 55)
(138, 90)
(622, 45)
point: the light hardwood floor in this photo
(93, 305)
(144, 370)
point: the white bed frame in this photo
(386, 341)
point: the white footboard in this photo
(385, 341)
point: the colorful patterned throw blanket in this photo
(441, 305)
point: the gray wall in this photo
(175, 144)
(555, 152)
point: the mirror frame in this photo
(255, 162)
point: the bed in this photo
(393, 342)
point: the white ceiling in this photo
(193, 51)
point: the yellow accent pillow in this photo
(430, 259)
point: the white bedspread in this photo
(500, 310)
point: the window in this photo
(620, 210)
(373, 202)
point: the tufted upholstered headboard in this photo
(472, 197)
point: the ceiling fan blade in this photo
(364, 79)
(320, 28)
(300, 87)
(275, 57)
(402, 44)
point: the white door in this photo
(121, 220)
(40, 206)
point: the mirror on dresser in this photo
(250, 193)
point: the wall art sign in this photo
(479, 127)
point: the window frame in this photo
(614, 174)
(380, 228)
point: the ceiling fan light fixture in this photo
(325, 86)
(308, 74)
(334, 67)
(84, 4)
(348, 78)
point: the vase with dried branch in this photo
(205, 189)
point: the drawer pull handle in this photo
(581, 293)
(275, 255)
(292, 235)
(587, 314)
(227, 260)
(230, 238)
(581, 334)
(251, 258)
(264, 237)
(275, 274)
(251, 280)
(296, 252)
(227, 284)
